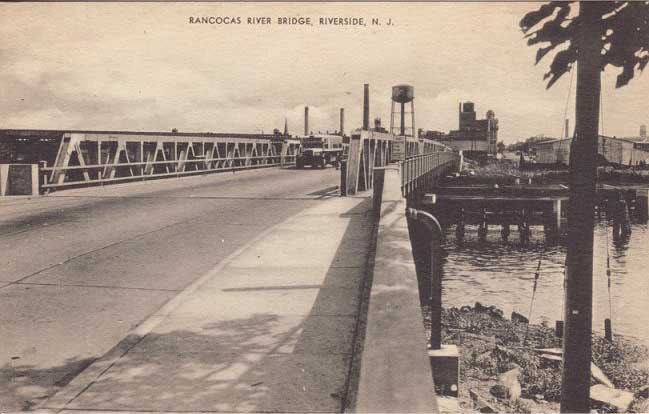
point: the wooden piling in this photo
(524, 226)
(642, 205)
(459, 226)
(556, 212)
(621, 218)
(504, 232)
(626, 228)
(484, 226)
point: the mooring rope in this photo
(565, 286)
(536, 281)
(565, 110)
(608, 277)
(601, 103)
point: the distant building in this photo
(474, 136)
(643, 132)
(432, 135)
(620, 151)
(377, 125)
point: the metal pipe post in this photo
(426, 250)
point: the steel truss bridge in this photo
(104, 157)
(78, 158)
(370, 149)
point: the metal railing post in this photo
(377, 193)
(343, 178)
(426, 238)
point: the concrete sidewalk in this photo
(271, 329)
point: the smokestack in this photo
(567, 131)
(366, 107)
(342, 122)
(306, 121)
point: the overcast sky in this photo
(145, 67)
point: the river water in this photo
(499, 274)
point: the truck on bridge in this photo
(320, 150)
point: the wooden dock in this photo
(527, 205)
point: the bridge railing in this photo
(58, 177)
(419, 172)
(92, 158)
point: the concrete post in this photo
(36, 188)
(4, 179)
(19, 179)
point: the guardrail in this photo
(418, 172)
(56, 177)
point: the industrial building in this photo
(475, 137)
(620, 151)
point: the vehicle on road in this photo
(320, 150)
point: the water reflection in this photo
(501, 274)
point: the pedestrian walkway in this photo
(272, 329)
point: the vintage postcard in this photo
(324, 207)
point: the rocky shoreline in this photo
(511, 366)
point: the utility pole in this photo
(575, 385)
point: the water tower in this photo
(402, 95)
(404, 133)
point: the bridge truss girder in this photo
(97, 158)
(370, 149)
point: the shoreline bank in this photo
(512, 366)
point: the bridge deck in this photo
(272, 328)
(79, 269)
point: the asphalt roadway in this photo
(81, 268)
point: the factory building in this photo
(475, 137)
(620, 151)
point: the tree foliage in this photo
(624, 38)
